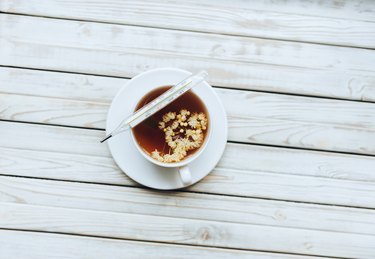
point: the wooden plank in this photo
(240, 62)
(186, 205)
(253, 117)
(275, 173)
(352, 22)
(26, 82)
(362, 10)
(32, 245)
(357, 10)
(185, 231)
(236, 156)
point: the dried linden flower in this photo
(193, 121)
(183, 132)
(161, 124)
(204, 124)
(195, 136)
(172, 144)
(185, 142)
(169, 131)
(156, 155)
(169, 116)
(174, 125)
(184, 112)
(189, 133)
(167, 158)
(201, 116)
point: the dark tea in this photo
(175, 132)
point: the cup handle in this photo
(185, 175)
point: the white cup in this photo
(182, 166)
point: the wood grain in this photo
(274, 119)
(245, 170)
(258, 197)
(239, 62)
(31, 245)
(349, 23)
(186, 205)
(185, 231)
(362, 10)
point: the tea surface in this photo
(150, 136)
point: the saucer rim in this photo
(224, 132)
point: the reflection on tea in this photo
(175, 132)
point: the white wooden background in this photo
(297, 79)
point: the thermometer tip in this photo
(109, 136)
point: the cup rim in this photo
(185, 161)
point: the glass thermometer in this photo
(158, 103)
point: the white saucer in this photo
(125, 152)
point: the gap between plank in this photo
(185, 190)
(185, 30)
(300, 148)
(167, 243)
